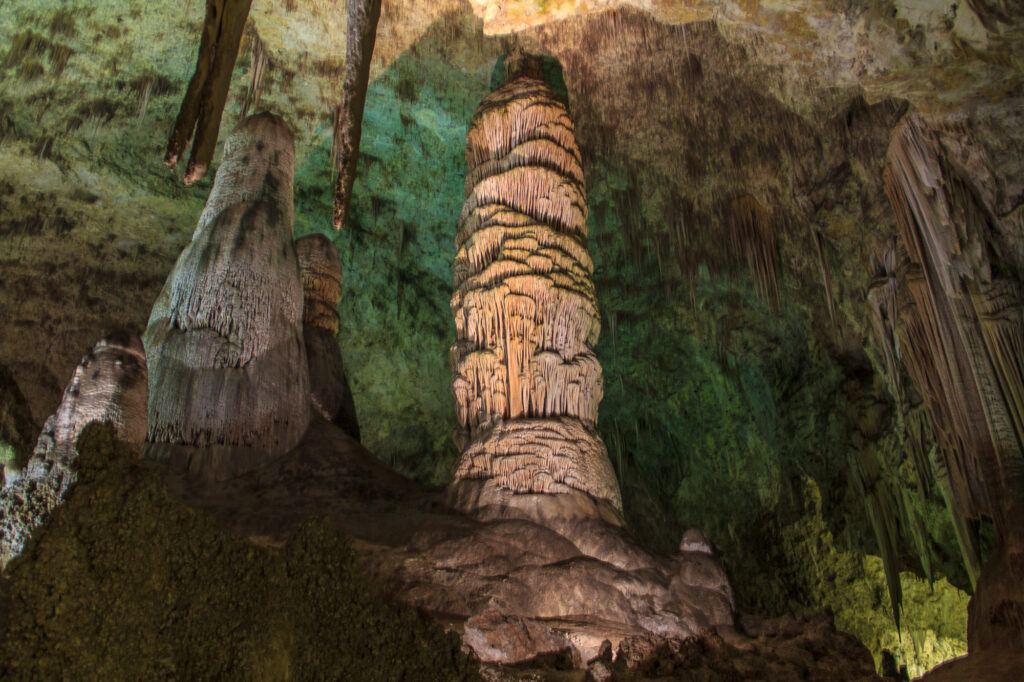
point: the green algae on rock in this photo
(128, 583)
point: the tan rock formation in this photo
(526, 381)
(109, 385)
(228, 375)
(961, 323)
(320, 270)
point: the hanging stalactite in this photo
(203, 105)
(752, 237)
(363, 16)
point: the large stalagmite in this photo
(321, 273)
(109, 385)
(229, 385)
(526, 381)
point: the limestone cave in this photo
(512, 340)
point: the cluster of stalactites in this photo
(961, 328)
(524, 303)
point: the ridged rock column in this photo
(109, 385)
(526, 381)
(321, 273)
(229, 385)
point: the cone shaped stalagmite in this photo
(526, 381)
(229, 385)
(109, 385)
(320, 269)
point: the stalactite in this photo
(320, 270)
(826, 275)
(229, 385)
(752, 234)
(363, 16)
(526, 381)
(882, 313)
(962, 325)
(109, 385)
(258, 64)
(203, 105)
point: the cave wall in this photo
(725, 406)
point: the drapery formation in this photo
(526, 381)
(960, 318)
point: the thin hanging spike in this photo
(363, 16)
(207, 93)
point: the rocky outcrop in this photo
(961, 325)
(526, 381)
(229, 383)
(320, 270)
(109, 385)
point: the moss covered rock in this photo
(128, 583)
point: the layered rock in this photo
(961, 323)
(320, 270)
(109, 385)
(229, 383)
(526, 381)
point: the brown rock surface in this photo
(320, 270)
(228, 375)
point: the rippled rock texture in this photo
(526, 381)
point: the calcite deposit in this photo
(320, 269)
(961, 325)
(229, 383)
(526, 381)
(109, 385)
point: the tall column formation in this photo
(320, 270)
(109, 385)
(526, 381)
(229, 385)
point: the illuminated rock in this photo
(526, 381)
(229, 384)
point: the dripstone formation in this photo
(320, 269)
(229, 384)
(109, 385)
(526, 381)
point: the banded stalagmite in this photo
(320, 270)
(229, 383)
(109, 385)
(526, 381)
